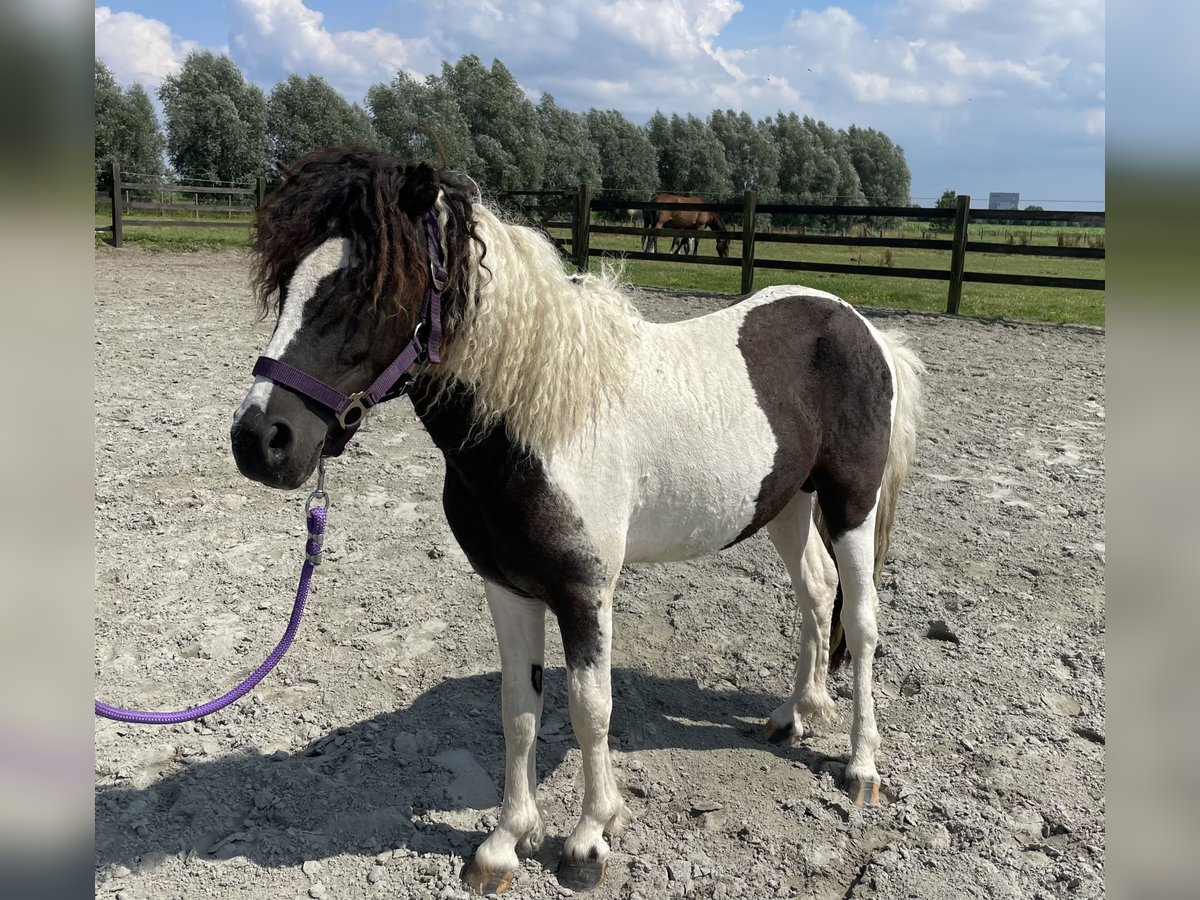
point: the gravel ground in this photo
(369, 764)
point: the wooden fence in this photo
(119, 195)
(568, 210)
(572, 211)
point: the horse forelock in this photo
(377, 204)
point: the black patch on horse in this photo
(535, 675)
(823, 382)
(516, 528)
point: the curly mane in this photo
(378, 204)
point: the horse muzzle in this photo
(270, 450)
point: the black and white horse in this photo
(579, 437)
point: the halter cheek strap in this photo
(426, 344)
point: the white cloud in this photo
(646, 54)
(958, 62)
(138, 49)
(925, 55)
(270, 39)
(833, 28)
(956, 82)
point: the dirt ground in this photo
(370, 763)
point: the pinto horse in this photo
(682, 218)
(579, 437)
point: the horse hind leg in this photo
(814, 581)
(855, 552)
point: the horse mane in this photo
(541, 352)
(378, 205)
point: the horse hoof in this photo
(864, 792)
(779, 734)
(484, 881)
(585, 875)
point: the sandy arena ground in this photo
(370, 763)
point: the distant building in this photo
(1003, 201)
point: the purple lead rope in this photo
(312, 559)
(350, 411)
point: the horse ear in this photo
(419, 191)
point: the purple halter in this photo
(426, 344)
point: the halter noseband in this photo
(351, 409)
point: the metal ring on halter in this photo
(356, 405)
(318, 494)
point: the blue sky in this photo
(983, 95)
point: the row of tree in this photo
(221, 128)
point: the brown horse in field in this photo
(683, 218)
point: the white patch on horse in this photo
(668, 505)
(332, 255)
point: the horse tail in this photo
(902, 449)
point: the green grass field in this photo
(1011, 302)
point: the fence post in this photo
(958, 253)
(749, 202)
(117, 202)
(260, 190)
(583, 227)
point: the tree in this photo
(751, 152)
(216, 122)
(845, 188)
(628, 161)
(881, 167)
(948, 200)
(503, 122)
(306, 114)
(658, 129)
(798, 159)
(142, 144)
(108, 116)
(690, 157)
(571, 157)
(414, 118)
(806, 173)
(1034, 207)
(127, 129)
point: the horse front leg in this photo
(587, 641)
(521, 629)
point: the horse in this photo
(693, 219)
(579, 437)
(687, 246)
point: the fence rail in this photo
(118, 195)
(572, 211)
(957, 244)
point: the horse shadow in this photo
(398, 780)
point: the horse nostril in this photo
(279, 437)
